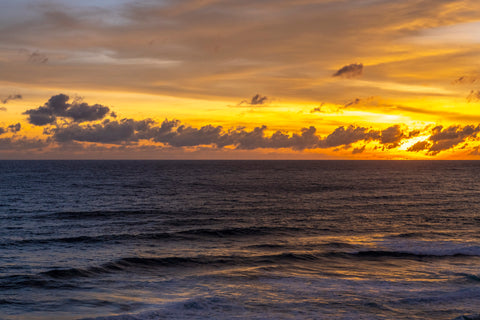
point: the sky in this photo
(250, 79)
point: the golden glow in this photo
(416, 82)
(406, 144)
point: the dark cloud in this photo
(352, 103)
(256, 138)
(453, 132)
(327, 109)
(14, 127)
(474, 95)
(444, 139)
(77, 127)
(255, 101)
(175, 134)
(392, 136)
(22, 144)
(350, 71)
(84, 112)
(465, 80)
(40, 116)
(11, 97)
(475, 152)
(258, 99)
(341, 136)
(107, 132)
(58, 106)
(186, 136)
(419, 146)
(358, 150)
(37, 57)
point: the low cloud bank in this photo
(67, 124)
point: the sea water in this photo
(239, 239)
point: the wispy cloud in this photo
(350, 71)
(11, 97)
(256, 100)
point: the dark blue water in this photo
(239, 239)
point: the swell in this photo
(468, 277)
(242, 231)
(99, 214)
(32, 281)
(93, 239)
(174, 264)
(179, 235)
(410, 255)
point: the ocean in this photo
(135, 240)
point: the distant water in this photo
(239, 239)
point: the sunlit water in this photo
(239, 239)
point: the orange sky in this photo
(213, 79)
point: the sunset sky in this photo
(231, 79)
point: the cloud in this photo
(11, 97)
(14, 127)
(255, 100)
(475, 151)
(341, 136)
(465, 80)
(175, 134)
(358, 150)
(22, 144)
(186, 136)
(350, 71)
(474, 95)
(258, 99)
(37, 58)
(3, 109)
(327, 109)
(84, 112)
(282, 50)
(419, 146)
(352, 103)
(392, 136)
(80, 124)
(58, 106)
(107, 132)
(444, 139)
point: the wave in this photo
(431, 248)
(179, 235)
(408, 255)
(100, 214)
(146, 263)
(209, 307)
(241, 231)
(32, 281)
(93, 239)
(469, 277)
(468, 317)
(285, 259)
